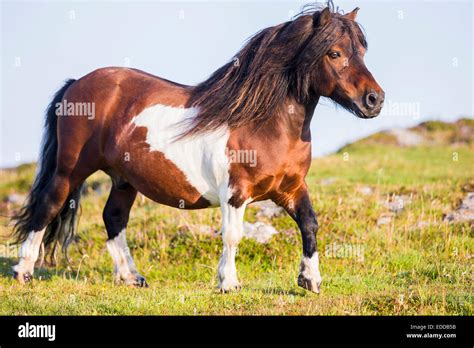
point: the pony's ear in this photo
(322, 18)
(352, 15)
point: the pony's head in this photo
(335, 57)
(318, 53)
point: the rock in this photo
(259, 231)
(198, 230)
(459, 216)
(468, 187)
(328, 181)
(365, 190)
(94, 187)
(15, 198)
(97, 187)
(468, 202)
(204, 230)
(465, 212)
(466, 134)
(397, 203)
(268, 209)
(407, 137)
(384, 219)
(423, 224)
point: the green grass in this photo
(407, 268)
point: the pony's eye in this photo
(334, 54)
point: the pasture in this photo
(375, 259)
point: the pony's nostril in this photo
(371, 99)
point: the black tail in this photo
(62, 228)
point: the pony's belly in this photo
(163, 182)
(187, 173)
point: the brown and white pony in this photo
(174, 143)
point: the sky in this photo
(420, 52)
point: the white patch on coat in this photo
(232, 233)
(202, 158)
(309, 268)
(124, 266)
(29, 252)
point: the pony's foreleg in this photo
(29, 252)
(116, 214)
(232, 232)
(298, 205)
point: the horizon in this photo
(313, 157)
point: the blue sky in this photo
(420, 52)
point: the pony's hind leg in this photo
(29, 251)
(41, 210)
(116, 214)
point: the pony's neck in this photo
(297, 118)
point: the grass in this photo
(416, 264)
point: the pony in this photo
(172, 142)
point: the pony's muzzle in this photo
(373, 102)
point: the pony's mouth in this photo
(364, 113)
(357, 106)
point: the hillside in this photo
(429, 133)
(396, 237)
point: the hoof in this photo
(140, 282)
(137, 281)
(23, 278)
(227, 287)
(309, 284)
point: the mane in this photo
(275, 63)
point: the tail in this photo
(62, 228)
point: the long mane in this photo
(277, 62)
